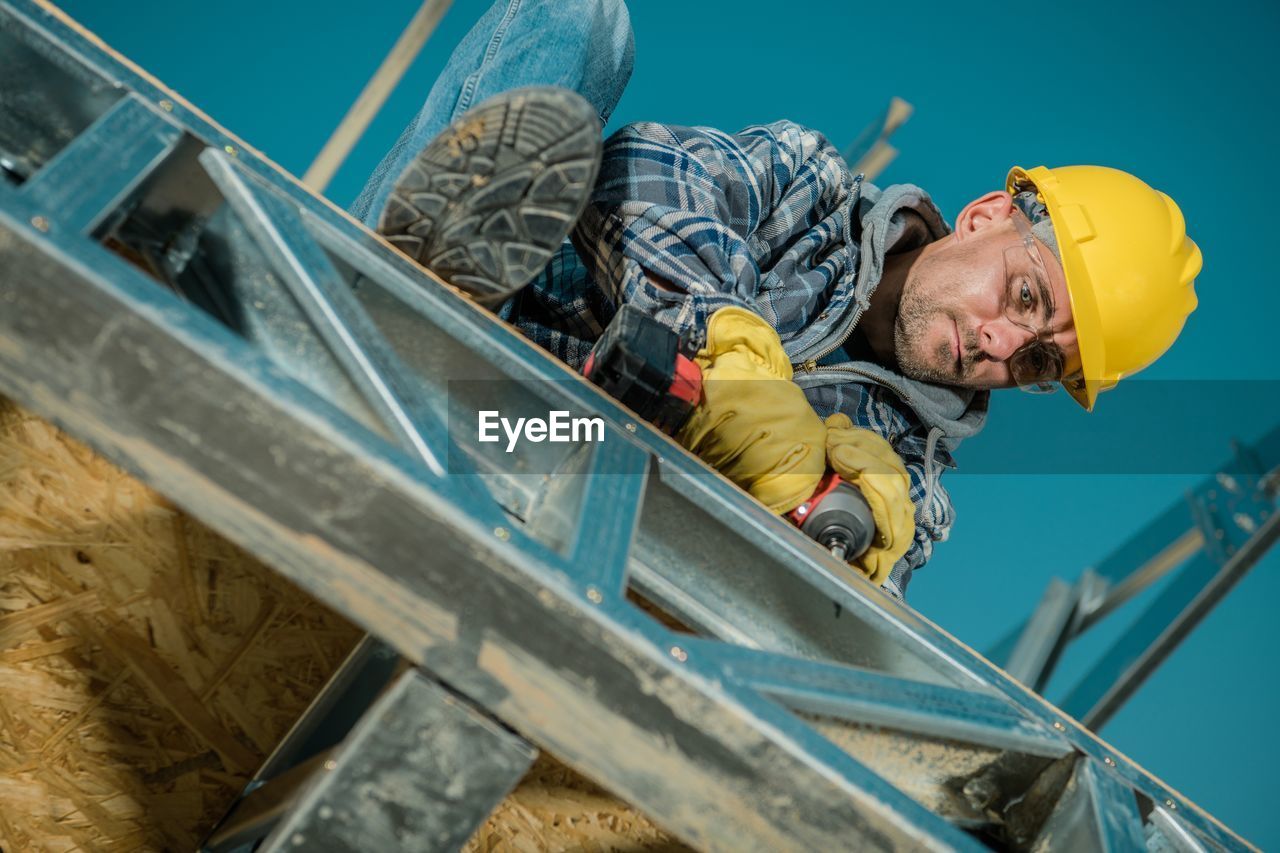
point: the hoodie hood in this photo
(900, 218)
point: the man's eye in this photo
(1028, 300)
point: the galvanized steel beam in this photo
(420, 771)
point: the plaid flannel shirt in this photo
(763, 219)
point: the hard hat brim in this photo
(1084, 308)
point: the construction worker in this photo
(872, 329)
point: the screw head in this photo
(1106, 759)
(40, 223)
(330, 764)
(166, 105)
(630, 426)
(679, 654)
(594, 595)
(502, 533)
(231, 149)
(1171, 805)
(1059, 726)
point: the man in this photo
(871, 329)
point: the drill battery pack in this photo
(648, 367)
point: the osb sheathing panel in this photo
(554, 808)
(147, 666)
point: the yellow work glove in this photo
(866, 460)
(753, 423)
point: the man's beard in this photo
(911, 327)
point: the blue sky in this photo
(1183, 94)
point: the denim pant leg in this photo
(583, 45)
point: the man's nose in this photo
(1002, 338)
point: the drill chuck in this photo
(839, 519)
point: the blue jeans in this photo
(583, 45)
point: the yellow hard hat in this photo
(1129, 264)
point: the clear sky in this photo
(1183, 94)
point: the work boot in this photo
(488, 202)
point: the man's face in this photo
(954, 325)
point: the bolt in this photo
(502, 533)
(166, 105)
(1059, 726)
(230, 149)
(594, 595)
(1173, 807)
(630, 426)
(298, 840)
(40, 223)
(1228, 482)
(679, 654)
(1106, 759)
(1245, 523)
(325, 812)
(330, 764)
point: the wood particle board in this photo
(148, 666)
(555, 808)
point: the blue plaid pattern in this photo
(764, 219)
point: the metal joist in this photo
(1161, 627)
(1095, 812)
(94, 176)
(420, 771)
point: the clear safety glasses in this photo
(1037, 365)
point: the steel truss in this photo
(1219, 532)
(196, 315)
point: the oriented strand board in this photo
(146, 665)
(554, 808)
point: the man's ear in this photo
(993, 208)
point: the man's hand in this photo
(869, 462)
(754, 424)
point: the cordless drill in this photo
(651, 369)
